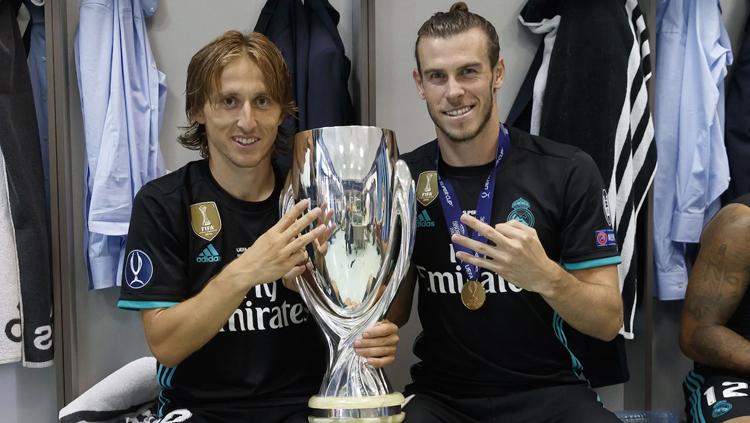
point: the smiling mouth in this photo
(245, 140)
(459, 112)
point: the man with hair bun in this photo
(207, 250)
(513, 240)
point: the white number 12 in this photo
(730, 392)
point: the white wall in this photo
(28, 395)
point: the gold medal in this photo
(473, 295)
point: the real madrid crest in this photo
(205, 220)
(521, 212)
(427, 187)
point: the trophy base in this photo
(374, 409)
(389, 419)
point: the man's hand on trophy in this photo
(378, 344)
(280, 250)
(289, 280)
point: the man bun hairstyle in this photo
(455, 21)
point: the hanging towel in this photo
(590, 91)
(10, 282)
(19, 142)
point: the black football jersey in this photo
(184, 229)
(515, 341)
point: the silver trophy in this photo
(353, 172)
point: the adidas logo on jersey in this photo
(208, 255)
(424, 220)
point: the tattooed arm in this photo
(717, 284)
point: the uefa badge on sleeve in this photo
(605, 238)
(138, 269)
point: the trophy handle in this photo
(404, 199)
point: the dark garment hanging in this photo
(19, 141)
(595, 98)
(737, 132)
(312, 47)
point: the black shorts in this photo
(296, 413)
(557, 404)
(715, 397)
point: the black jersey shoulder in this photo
(542, 146)
(421, 158)
(175, 181)
(424, 156)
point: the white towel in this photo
(10, 312)
(118, 397)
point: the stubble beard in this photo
(455, 137)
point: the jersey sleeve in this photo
(588, 238)
(154, 272)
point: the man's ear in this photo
(199, 117)
(498, 74)
(418, 82)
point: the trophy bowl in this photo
(367, 194)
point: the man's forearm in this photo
(719, 346)
(400, 308)
(592, 309)
(175, 333)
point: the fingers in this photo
(514, 229)
(474, 245)
(482, 228)
(382, 329)
(289, 279)
(381, 362)
(378, 344)
(481, 262)
(291, 216)
(301, 241)
(301, 223)
(378, 360)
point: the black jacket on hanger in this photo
(737, 132)
(308, 39)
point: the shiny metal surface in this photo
(358, 413)
(354, 173)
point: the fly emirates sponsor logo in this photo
(452, 282)
(261, 310)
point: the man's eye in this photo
(263, 101)
(229, 101)
(469, 71)
(435, 75)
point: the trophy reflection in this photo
(353, 172)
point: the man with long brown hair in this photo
(206, 252)
(513, 240)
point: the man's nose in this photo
(454, 89)
(246, 120)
